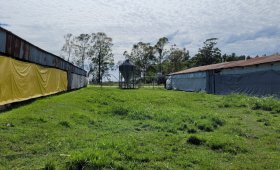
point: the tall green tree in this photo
(161, 51)
(67, 51)
(232, 57)
(178, 59)
(100, 53)
(82, 45)
(208, 54)
(142, 55)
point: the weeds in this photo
(194, 140)
(49, 166)
(65, 124)
(120, 111)
(266, 104)
(226, 147)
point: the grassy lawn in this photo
(108, 128)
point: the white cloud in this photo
(188, 23)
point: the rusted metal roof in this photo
(232, 64)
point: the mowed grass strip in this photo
(108, 128)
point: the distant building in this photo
(258, 76)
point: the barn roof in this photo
(232, 64)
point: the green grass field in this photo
(108, 128)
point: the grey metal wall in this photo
(257, 80)
(77, 81)
(260, 80)
(189, 82)
(2, 41)
(251, 69)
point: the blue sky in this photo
(250, 27)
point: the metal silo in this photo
(127, 75)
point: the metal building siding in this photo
(233, 64)
(15, 47)
(189, 82)
(2, 41)
(250, 69)
(261, 83)
(257, 80)
(76, 81)
(257, 76)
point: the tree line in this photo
(163, 58)
(159, 59)
(94, 50)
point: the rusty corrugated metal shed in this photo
(232, 64)
(13, 46)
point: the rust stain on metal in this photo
(18, 48)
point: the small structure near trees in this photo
(127, 75)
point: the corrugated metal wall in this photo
(15, 47)
(2, 41)
(189, 82)
(256, 80)
(78, 81)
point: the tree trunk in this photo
(99, 70)
(83, 56)
(160, 59)
(144, 73)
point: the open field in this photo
(108, 128)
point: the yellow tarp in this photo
(21, 80)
